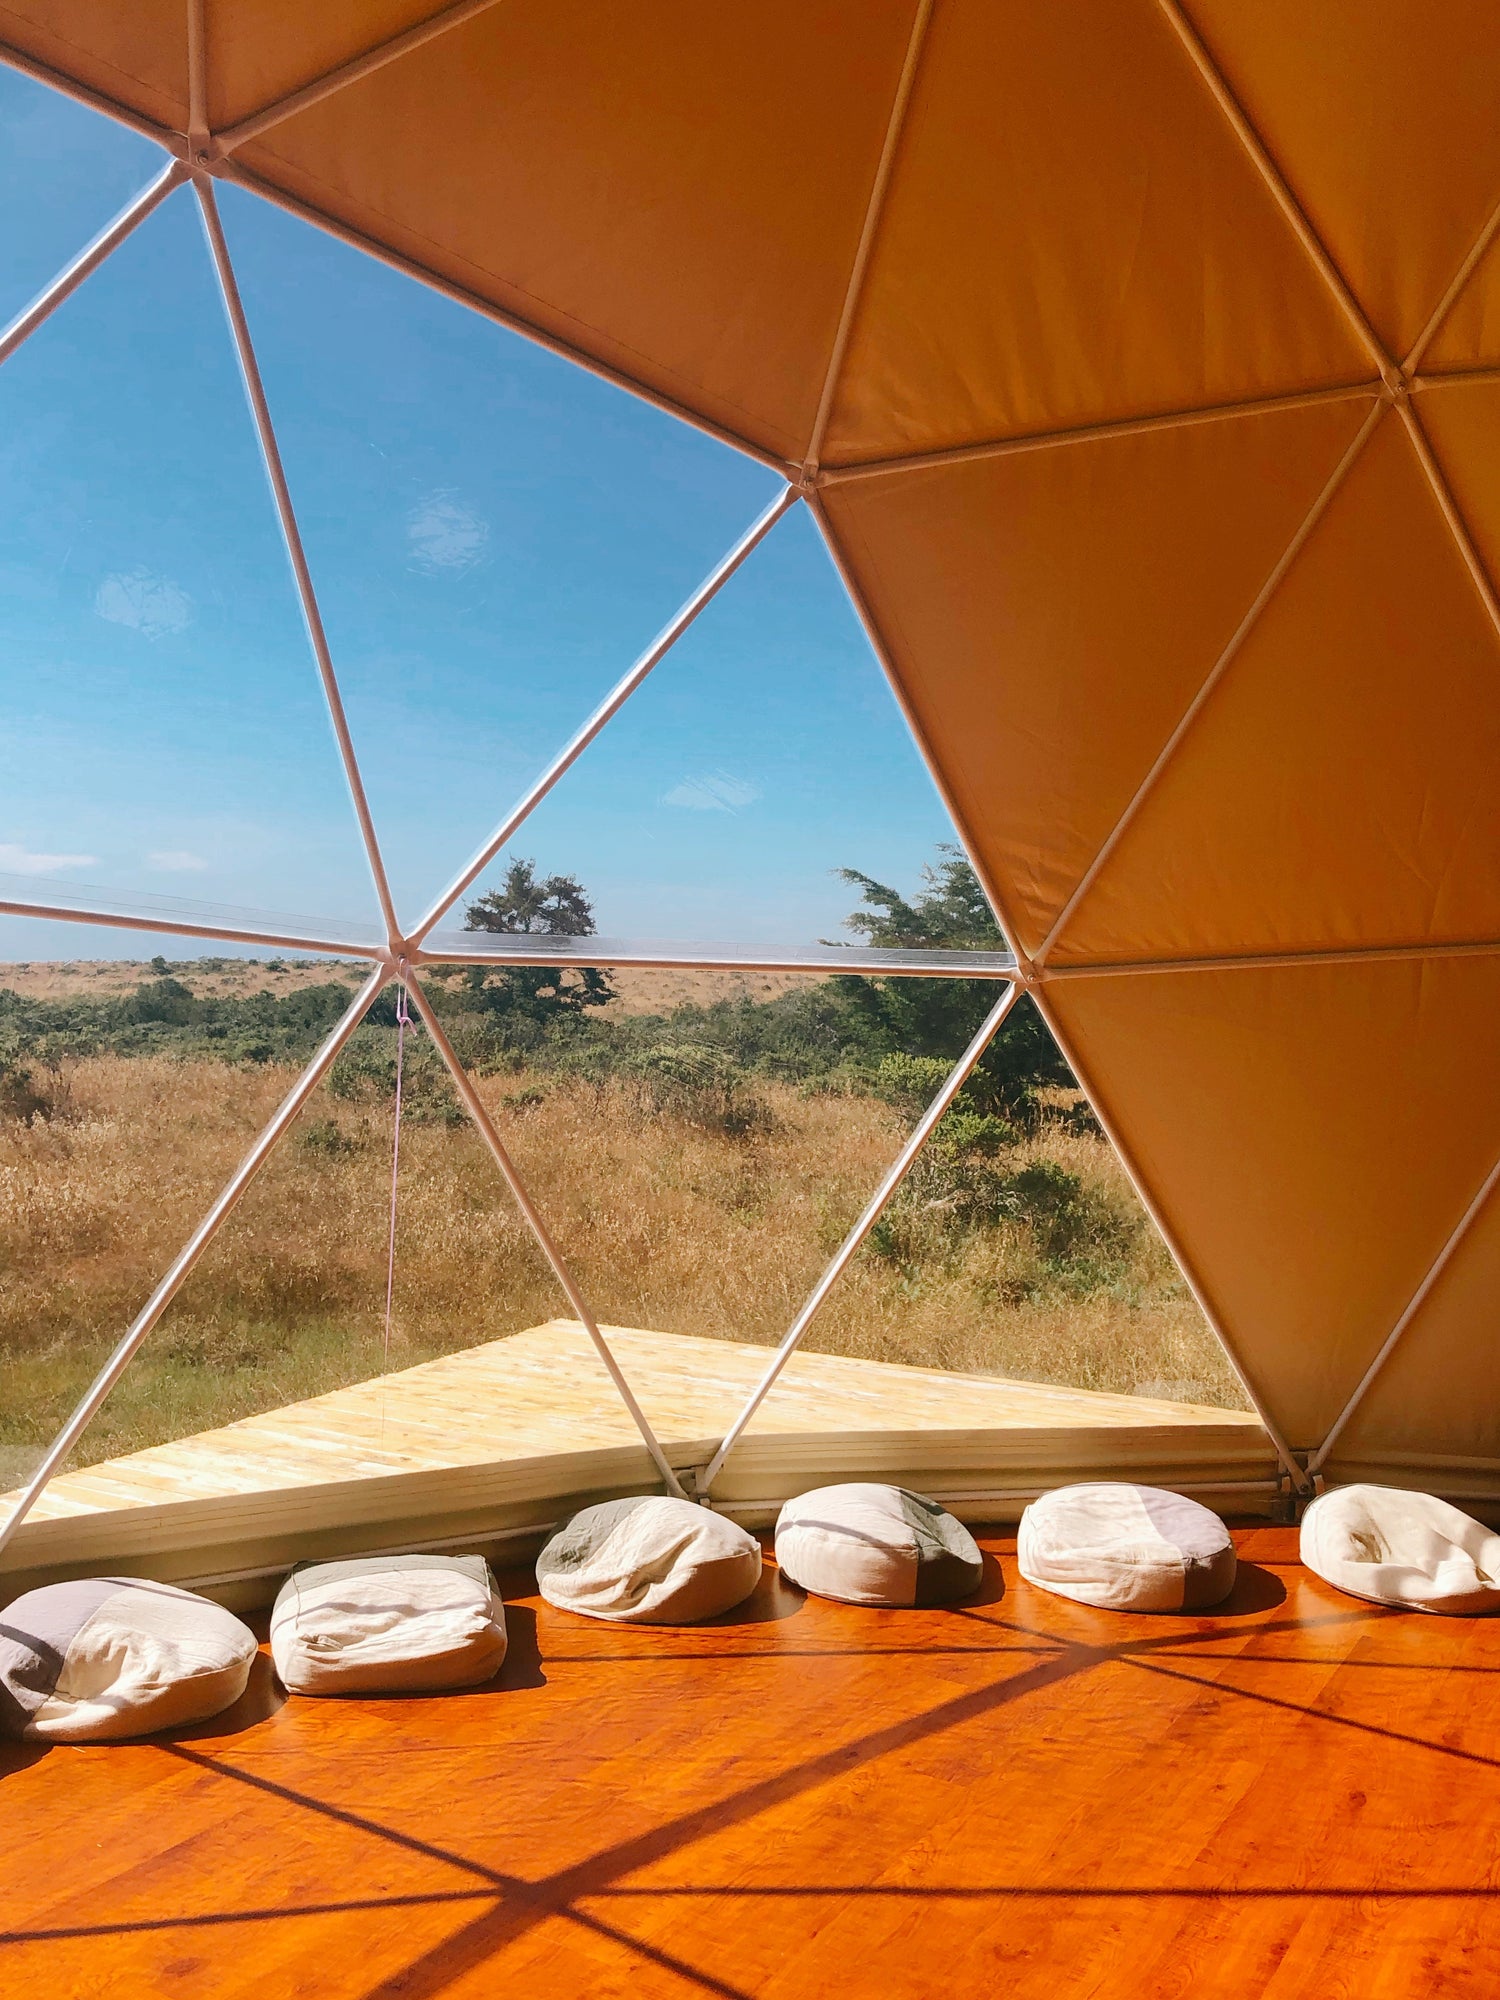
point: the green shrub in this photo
(702, 1085)
(961, 1133)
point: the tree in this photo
(553, 906)
(936, 1017)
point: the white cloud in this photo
(149, 604)
(443, 534)
(18, 860)
(176, 860)
(712, 791)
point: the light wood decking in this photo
(501, 1437)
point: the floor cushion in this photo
(1126, 1548)
(388, 1625)
(649, 1560)
(114, 1656)
(862, 1544)
(1394, 1546)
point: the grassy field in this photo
(636, 991)
(670, 1224)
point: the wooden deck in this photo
(501, 1438)
(1293, 1796)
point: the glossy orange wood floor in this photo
(1297, 1795)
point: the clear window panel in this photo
(162, 729)
(129, 1093)
(64, 173)
(495, 534)
(764, 755)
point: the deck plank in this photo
(545, 1390)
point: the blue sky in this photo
(494, 535)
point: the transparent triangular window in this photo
(65, 173)
(164, 729)
(495, 535)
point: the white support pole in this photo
(93, 100)
(869, 1215)
(1418, 1299)
(1269, 961)
(1215, 675)
(197, 67)
(1260, 157)
(508, 948)
(228, 931)
(167, 1290)
(1124, 427)
(346, 73)
(1300, 1480)
(474, 1105)
(615, 700)
(885, 660)
(72, 275)
(281, 494)
(873, 209)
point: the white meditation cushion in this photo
(877, 1545)
(649, 1560)
(1398, 1547)
(113, 1656)
(1126, 1548)
(388, 1625)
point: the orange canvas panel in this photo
(1469, 336)
(1461, 421)
(1439, 1391)
(1073, 233)
(1311, 1134)
(679, 193)
(1385, 122)
(261, 50)
(135, 55)
(1052, 613)
(1338, 787)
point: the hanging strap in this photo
(403, 1022)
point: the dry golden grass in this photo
(668, 1226)
(112, 978)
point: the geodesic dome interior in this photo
(1141, 362)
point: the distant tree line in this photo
(892, 1037)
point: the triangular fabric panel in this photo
(147, 612)
(1283, 1119)
(258, 51)
(681, 198)
(1469, 336)
(1461, 421)
(1052, 613)
(1438, 1393)
(1387, 132)
(1338, 787)
(1058, 250)
(135, 55)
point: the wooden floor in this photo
(1018, 1797)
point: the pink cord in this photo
(403, 1022)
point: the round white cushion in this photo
(649, 1560)
(388, 1625)
(878, 1545)
(1126, 1548)
(114, 1656)
(1398, 1547)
